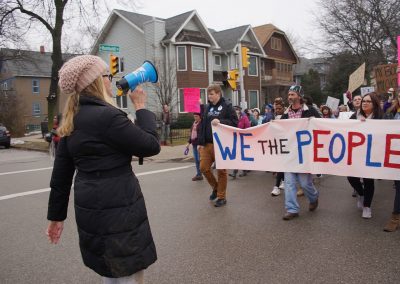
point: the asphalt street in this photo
(244, 242)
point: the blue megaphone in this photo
(145, 73)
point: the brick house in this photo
(277, 68)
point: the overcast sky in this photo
(295, 17)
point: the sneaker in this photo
(243, 174)
(213, 195)
(367, 213)
(354, 194)
(319, 175)
(313, 206)
(289, 216)
(220, 202)
(282, 186)
(276, 191)
(233, 176)
(360, 202)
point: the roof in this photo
(29, 63)
(318, 64)
(135, 18)
(228, 39)
(265, 32)
(173, 24)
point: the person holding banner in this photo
(298, 109)
(279, 179)
(370, 109)
(217, 111)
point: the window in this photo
(253, 99)
(203, 98)
(122, 101)
(35, 86)
(181, 58)
(253, 67)
(5, 86)
(198, 59)
(262, 68)
(276, 43)
(217, 60)
(36, 109)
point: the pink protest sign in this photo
(191, 98)
(398, 60)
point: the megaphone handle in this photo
(140, 160)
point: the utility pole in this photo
(243, 102)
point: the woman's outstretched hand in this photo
(54, 230)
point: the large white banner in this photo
(320, 146)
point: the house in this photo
(227, 58)
(180, 46)
(186, 53)
(321, 65)
(26, 76)
(277, 68)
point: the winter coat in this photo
(244, 121)
(194, 142)
(114, 232)
(222, 111)
(306, 112)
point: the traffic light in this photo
(114, 64)
(232, 77)
(245, 57)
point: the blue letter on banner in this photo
(302, 143)
(243, 146)
(227, 152)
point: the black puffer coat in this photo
(114, 232)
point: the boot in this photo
(393, 224)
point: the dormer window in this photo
(276, 43)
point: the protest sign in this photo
(320, 146)
(398, 58)
(191, 99)
(332, 103)
(385, 77)
(345, 114)
(366, 90)
(356, 79)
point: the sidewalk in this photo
(168, 153)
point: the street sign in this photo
(110, 48)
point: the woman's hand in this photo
(138, 98)
(54, 230)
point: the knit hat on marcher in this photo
(79, 72)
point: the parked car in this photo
(5, 136)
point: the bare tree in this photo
(20, 17)
(166, 87)
(367, 28)
(10, 104)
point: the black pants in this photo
(396, 206)
(279, 178)
(366, 190)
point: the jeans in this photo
(196, 156)
(165, 130)
(305, 180)
(396, 206)
(207, 158)
(366, 190)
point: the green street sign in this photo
(109, 48)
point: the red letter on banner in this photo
(353, 144)
(317, 145)
(389, 152)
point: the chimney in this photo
(42, 49)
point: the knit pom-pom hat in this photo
(79, 72)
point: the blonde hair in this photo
(95, 89)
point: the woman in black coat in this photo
(98, 142)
